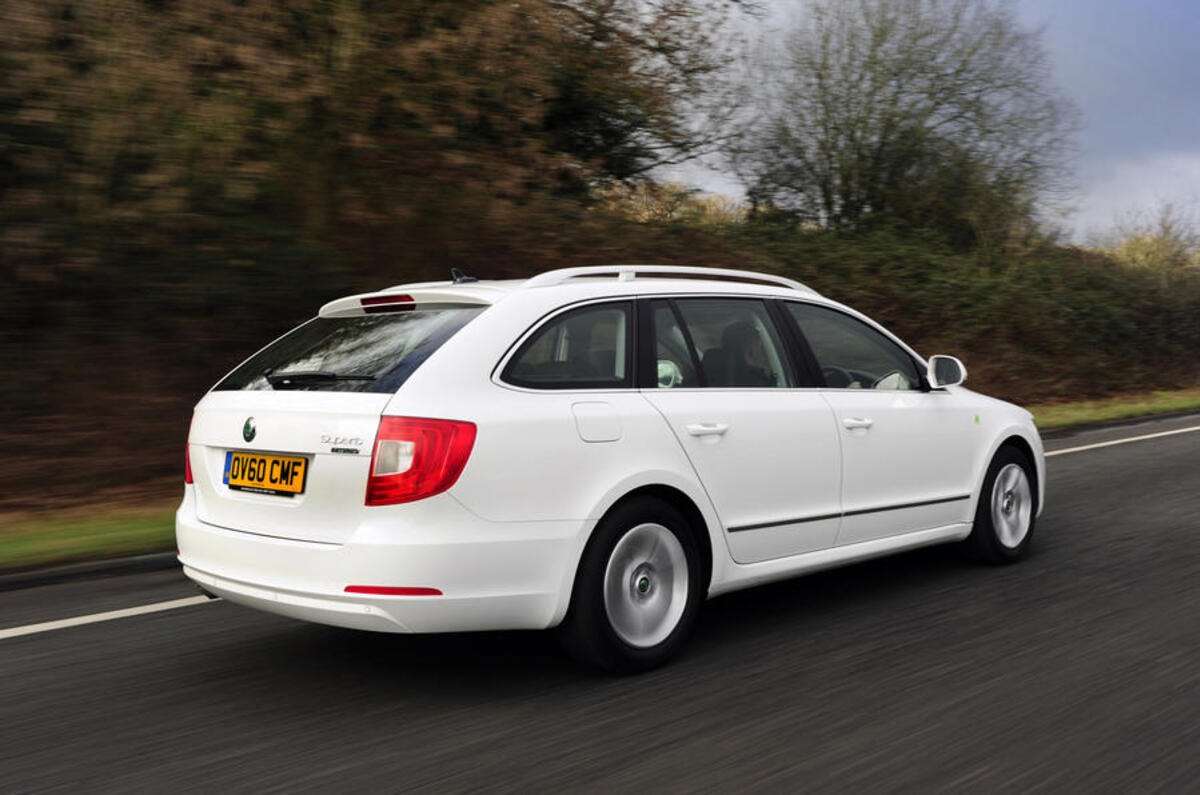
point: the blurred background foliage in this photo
(183, 180)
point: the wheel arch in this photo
(691, 512)
(701, 525)
(1017, 439)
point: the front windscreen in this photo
(371, 353)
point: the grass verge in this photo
(39, 540)
(1064, 415)
(34, 540)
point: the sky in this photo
(1132, 67)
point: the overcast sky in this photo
(1133, 69)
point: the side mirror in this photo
(945, 371)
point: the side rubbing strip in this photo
(907, 505)
(765, 525)
(859, 512)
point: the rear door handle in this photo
(707, 429)
(857, 422)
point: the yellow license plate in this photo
(265, 474)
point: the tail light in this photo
(417, 458)
(388, 303)
(187, 457)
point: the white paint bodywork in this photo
(503, 544)
(778, 459)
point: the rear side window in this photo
(373, 353)
(586, 348)
(733, 341)
(675, 364)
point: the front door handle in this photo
(707, 429)
(857, 422)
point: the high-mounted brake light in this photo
(387, 303)
(187, 456)
(415, 458)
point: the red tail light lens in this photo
(417, 458)
(187, 457)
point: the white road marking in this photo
(1122, 441)
(47, 626)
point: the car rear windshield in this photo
(373, 353)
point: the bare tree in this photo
(937, 113)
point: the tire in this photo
(637, 590)
(1005, 515)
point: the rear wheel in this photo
(637, 591)
(1004, 518)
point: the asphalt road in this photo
(1076, 670)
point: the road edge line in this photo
(96, 618)
(1127, 440)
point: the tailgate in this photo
(289, 464)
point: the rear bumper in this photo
(491, 575)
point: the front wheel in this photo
(1004, 518)
(637, 591)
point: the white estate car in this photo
(597, 449)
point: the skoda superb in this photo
(593, 449)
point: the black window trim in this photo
(693, 351)
(811, 357)
(646, 377)
(648, 354)
(805, 370)
(501, 373)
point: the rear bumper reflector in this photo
(386, 590)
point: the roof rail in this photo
(627, 273)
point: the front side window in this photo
(732, 340)
(586, 348)
(851, 354)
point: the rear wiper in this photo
(300, 378)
